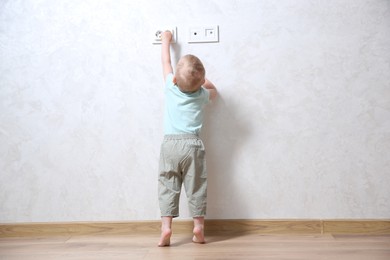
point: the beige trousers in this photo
(182, 161)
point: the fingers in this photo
(167, 35)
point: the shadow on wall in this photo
(224, 134)
(176, 52)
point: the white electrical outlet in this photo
(203, 34)
(158, 32)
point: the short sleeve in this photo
(169, 80)
(206, 94)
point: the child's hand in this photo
(166, 36)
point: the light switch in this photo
(203, 34)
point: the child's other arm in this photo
(165, 53)
(211, 88)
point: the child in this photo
(182, 158)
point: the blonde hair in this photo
(190, 73)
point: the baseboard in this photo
(263, 226)
(376, 227)
(213, 227)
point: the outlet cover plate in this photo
(156, 34)
(199, 34)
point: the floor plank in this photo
(249, 246)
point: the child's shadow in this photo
(176, 52)
(224, 133)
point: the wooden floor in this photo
(249, 246)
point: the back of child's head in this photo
(190, 73)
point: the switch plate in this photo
(203, 34)
(158, 32)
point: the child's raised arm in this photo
(165, 53)
(211, 88)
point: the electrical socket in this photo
(158, 32)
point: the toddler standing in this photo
(182, 156)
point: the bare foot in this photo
(165, 239)
(198, 235)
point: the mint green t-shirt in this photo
(183, 111)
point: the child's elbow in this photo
(213, 93)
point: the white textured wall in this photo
(301, 129)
